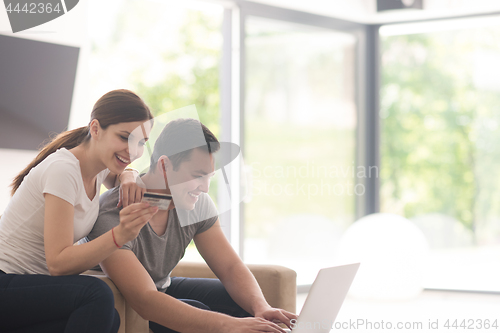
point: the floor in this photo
(431, 311)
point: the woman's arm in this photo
(129, 192)
(65, 259)
(113, 179)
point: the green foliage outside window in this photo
(200, 86)
(167, 54)
(440, 143)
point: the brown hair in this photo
(117, 106)
(179, 137)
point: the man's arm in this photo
(235, 276)
(134, 282)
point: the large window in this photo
(299, 125)
(439, 117)
(165, 51)
(440, 151)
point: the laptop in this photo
(325, 299)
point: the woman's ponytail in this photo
(68, 140)
(117, 106)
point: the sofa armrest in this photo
(130, 320)
(278, 283)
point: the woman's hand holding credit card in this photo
(130, 192)
(132, 219)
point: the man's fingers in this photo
(290, 315)
(276, 328)
(270, 326)
(284, 319)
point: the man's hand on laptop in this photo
(250, 325)
(277, 316)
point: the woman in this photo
(55, 202)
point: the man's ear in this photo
(163, 164)
(95, 128)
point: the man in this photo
(141, 268)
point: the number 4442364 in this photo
(471, 324)
(33, 8)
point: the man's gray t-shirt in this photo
(158, 254)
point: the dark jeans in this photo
(43, 303)
(207, 294)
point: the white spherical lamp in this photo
(392, 252)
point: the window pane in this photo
(440, 148)
(166, 51)
(300, 122)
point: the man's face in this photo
(191, 178)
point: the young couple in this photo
(56, 202)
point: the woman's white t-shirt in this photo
(21, 226)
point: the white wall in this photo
(70, 29)
(12, 162)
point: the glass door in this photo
(439, 144)
(300, 123)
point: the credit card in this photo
(162, 201)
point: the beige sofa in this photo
(278, 285)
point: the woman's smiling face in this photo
(122, 143)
